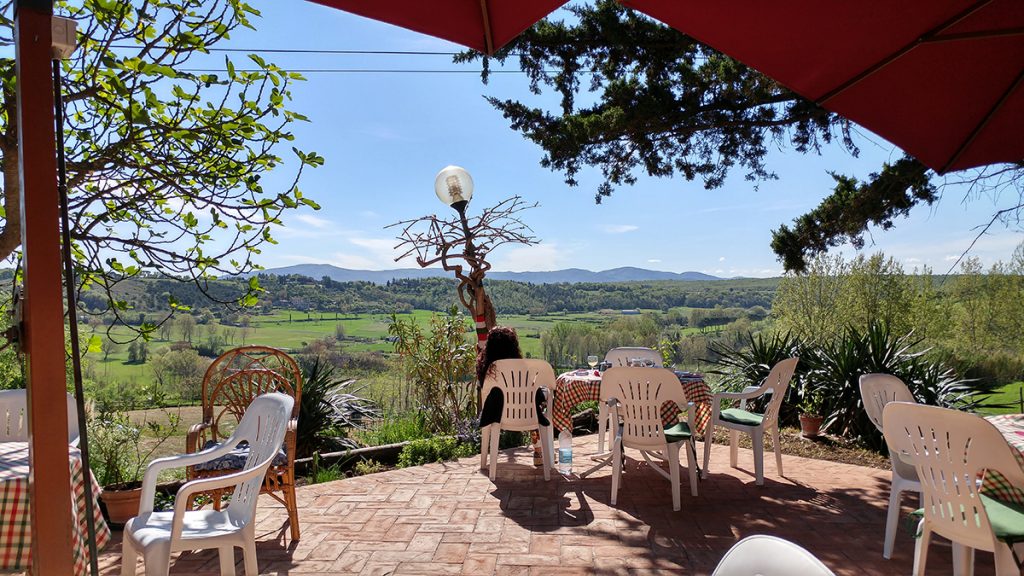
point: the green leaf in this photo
(95, 344)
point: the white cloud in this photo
(619, 228)
(721, 258)
(911, 260)
(951, 258)
(654, 260)
(538, 257)
(314, 221)
(379, 251)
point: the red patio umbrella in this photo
(483, 25)
(942, 79)
(939, 78)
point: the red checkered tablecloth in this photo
(995, 484)
(15, 530)
(572, 388)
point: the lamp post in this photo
(460, 246)
(454, 187)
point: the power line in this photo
(312, 51)
(358, 71)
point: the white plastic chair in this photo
(157, 534)
(762, 555)
(622, 355)
(638, 394)
(740, 420)
(877, 390)
(14, 417)
(618, 357)
(519, 382)
(950, 449)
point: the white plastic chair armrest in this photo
(748, 392)
(205, 485)
(178, 461)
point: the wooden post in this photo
(50, 479)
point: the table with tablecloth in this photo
(995, 484)
(15, 527)
(577, 386)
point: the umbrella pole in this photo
(69, 283)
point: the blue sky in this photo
(385, 136)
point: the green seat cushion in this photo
(743, 417)
(678, 433)
(1007, 519)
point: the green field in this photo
(293, 329)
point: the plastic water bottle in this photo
(565, 453)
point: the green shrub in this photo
(392, 429)
(364, 467)
(436, 449)
(119, 449)
(440, 366)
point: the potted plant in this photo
(119, 452)
(810, 412)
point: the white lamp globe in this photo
(454, 187)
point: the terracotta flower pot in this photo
(121, 505)
(810, 425)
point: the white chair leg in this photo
(495, 435)
(616, 469)
(485, 445)
(1005, 564)
(892, 518)
(602, 426)
(129, 557)
(963, 561)
(673, 469)
(690, 457)
(547, 442)
(158, 560)
(249, 557)
(734, 447)
(758, 440)
(708, 434)
(777, 443)
(921, 548)
(227, 561)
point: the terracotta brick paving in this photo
(451, 519)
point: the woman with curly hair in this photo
(502, 344)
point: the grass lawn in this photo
(1009, 394)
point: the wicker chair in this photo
(230, 384)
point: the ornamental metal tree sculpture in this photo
(461, 245)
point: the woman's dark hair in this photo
(502, 344)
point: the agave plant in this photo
(831, 371)
(328, 403)
(835, 368)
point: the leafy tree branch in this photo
(165, 166)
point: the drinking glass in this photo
(592, 361)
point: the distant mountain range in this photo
(570, 275)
